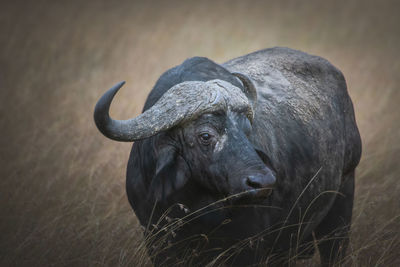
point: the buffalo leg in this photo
(332, 233)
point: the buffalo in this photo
(249, 162)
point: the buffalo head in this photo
(202, 131)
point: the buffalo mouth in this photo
(252, 196)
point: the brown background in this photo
(62, 183)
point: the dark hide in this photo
(192, 69)
(304, 134)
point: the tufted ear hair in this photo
(171, 174)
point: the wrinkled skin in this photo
(303, 143)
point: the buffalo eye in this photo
(205, 138)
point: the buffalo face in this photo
(222, 159)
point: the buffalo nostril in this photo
(253, 182)
(260, 181)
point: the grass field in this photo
(62, 187)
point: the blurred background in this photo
(62, 186)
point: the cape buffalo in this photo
(243, 163)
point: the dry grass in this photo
(62, 184)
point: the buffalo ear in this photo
(265, 158)
(249, 88)
(171, 174)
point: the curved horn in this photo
(250, 89)
(180, 103)
(107, 126)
